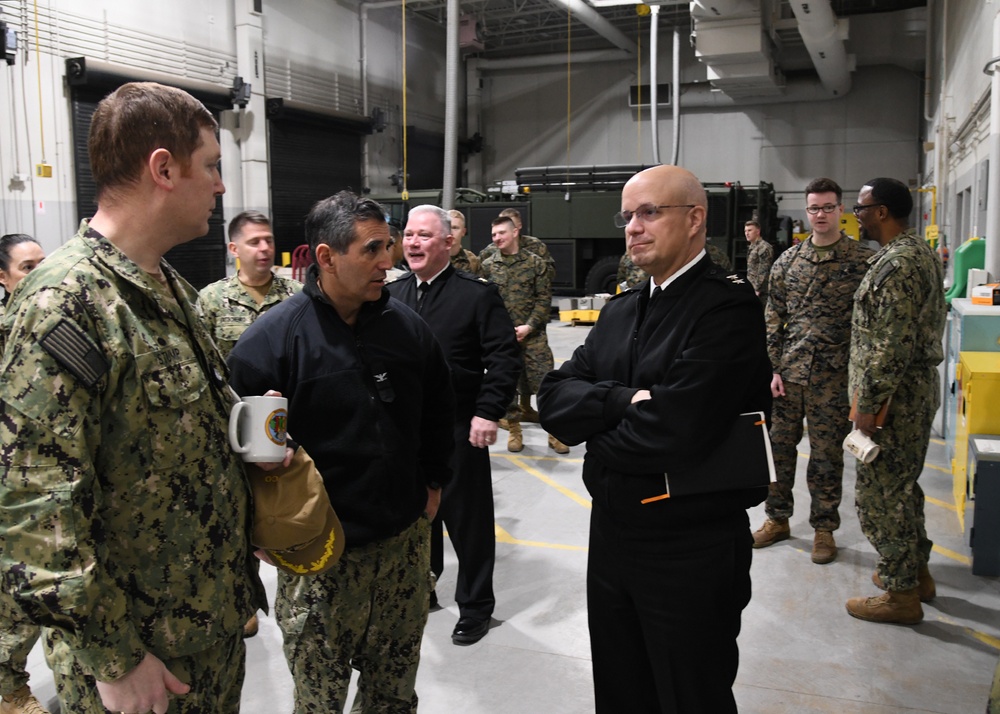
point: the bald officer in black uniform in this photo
(658, 383)
(468, 317)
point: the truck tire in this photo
(602, 277)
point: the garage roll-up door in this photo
(200, 261)
(312, 156)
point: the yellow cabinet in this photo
(978, 391)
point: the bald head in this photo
(666, 206)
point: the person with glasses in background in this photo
(896, 330)
(661, 377)
(808, 316)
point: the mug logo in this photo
(277, 426)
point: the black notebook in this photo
(742, 460)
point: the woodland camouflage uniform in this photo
(808, 316)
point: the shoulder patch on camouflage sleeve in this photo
(71, 348)
(884, 272)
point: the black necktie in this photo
(422, 289)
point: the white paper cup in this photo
(861, 447)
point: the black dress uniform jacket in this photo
(371, 403)
(467, 315)
(699, 347)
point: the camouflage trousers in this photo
(538, 362)
(367, 612)
(889, 500)
(215, 675)
(824, 406)
(17, 637)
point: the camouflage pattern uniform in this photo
(327, 620)
(760, 257)
(630, 274)
(126, 512)
(526, 288)
(17, 635)
(466, 260)
(530, 244)
(718, 257)
(898, 322)
(808, 337)
(229, 309)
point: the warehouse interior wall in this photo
(932, 129)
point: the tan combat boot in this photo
(770, 533)
(901, 607)
(527, 413)
(515, 442)
(558, 446)
(926, 587)
(503, 423)
(824, 548)
(21, 701)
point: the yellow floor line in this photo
(988, 640)
(500, 455)
(942, 504)
(519, 462)
(964, 559)
(505, 537)
(993, 642)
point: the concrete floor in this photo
(800, 650)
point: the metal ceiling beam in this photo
(593, 19)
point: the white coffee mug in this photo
(861, 446)
(262, 423)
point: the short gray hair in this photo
(442, 215)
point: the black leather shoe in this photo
(434, 606)
(469, 630)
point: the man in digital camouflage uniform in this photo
(125, 512)
(232, 304)
(808, 315)
(526, 288)
(461, 258)
(538, 247)
(896, 330)
(760, 258)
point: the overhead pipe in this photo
(653, 94)
(820, 31)
(992, 234)
(596, 22)
(451, 107)
(675, 98)
(532, 61)
(363, 70)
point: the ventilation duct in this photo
(730, 41)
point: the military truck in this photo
(571, 209)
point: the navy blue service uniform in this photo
(468, 317)
(699, 347)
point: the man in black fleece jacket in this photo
(370, 398)
(658, 383)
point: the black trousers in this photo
(467, 511)
(664, 608)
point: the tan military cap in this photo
(293, 519)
